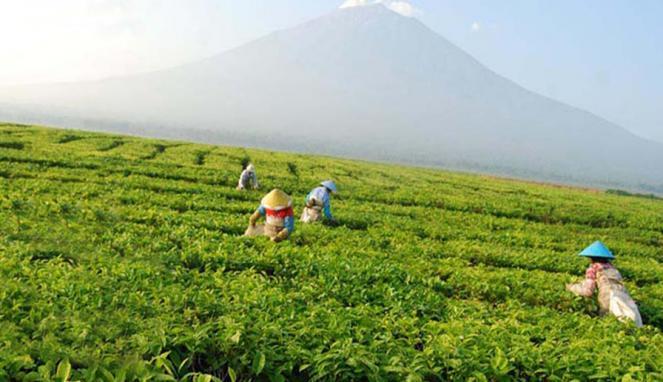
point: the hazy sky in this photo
(604, 56)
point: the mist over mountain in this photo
(364, 82)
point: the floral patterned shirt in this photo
(588, 286)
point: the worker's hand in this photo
(281, 236)
(573, 288)
(254, 218)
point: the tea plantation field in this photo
(121, 259)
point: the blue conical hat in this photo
(597, 249)
(330, 185)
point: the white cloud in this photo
(401, 7)
(475, 26)
(356, 3)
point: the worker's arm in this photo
(326, 209)
(289, 225)
(586, 287)
(256, 215)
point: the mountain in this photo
(364, 82)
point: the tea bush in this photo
(121, 259)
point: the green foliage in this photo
(199, 159)
(157, 149)
(293, 170)
(127, 264)
(636, 195)
(112, 145)
(12, 145)
(66, 138)
(246, 160)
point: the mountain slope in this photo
(368, 82)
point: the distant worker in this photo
(276, 208)
(612, 295)
(248, 179)
(318, 202)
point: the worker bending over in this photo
(602, 275)
(276, 208)
(318, 203)
(248, 179)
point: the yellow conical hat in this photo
(276, 200)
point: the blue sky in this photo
(605, 56)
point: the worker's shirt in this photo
(248, 179)
(321, 199)
(588, 286)
(279, 218)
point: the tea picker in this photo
(612, 295)
(318, 203)
(276, 208)
(248, 178)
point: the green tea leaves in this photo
(125, 262)
(259, 363)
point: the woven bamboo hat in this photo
(276, 200)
